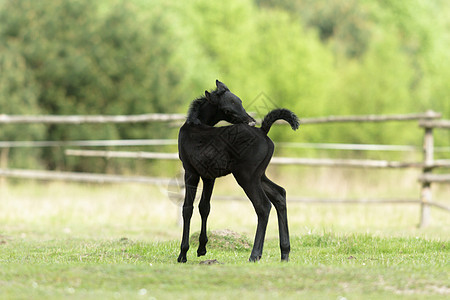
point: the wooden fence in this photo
(428, 121)
(427, 177)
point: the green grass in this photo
(70, 241)
(322, 266)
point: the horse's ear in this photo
(208, 96)
(211, 98)
(221, 86)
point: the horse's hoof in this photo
(285, 257)
(254, 258)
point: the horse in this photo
(241, 149)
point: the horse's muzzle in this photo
(251, 121)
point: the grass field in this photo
(73, 241)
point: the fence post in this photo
(425, 193)
(3, 163)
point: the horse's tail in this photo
(277, 114)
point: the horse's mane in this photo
(194, 108)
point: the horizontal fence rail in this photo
(438, 178)
(78, 119)
(307, 200)
(444, 124)
(322, 162)
(83, 177)
(87, 143)
(358, 147)
(7, 119)
(352, 147)
(372, 118)
(122, 154)
(167, 142)
(356, 163)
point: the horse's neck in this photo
(208, 114)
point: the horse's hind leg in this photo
(191, 182)
(204, 207)
(261, 203)
(277, 195)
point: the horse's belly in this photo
(210, 162)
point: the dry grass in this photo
(146, 212)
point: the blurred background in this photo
(317, 58)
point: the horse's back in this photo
(217, 151)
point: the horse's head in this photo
(229, 105)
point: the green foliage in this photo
(388, 59)
(344, 24)
(262, 53)
(129, 57)
(84, 60)
(18, 95)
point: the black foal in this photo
(209, 152)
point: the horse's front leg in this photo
(204, 207)
(191, 183)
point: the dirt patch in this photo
(224, 240)
(211, 262)
(3, 240)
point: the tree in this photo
(85, 58)
(18, 95)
